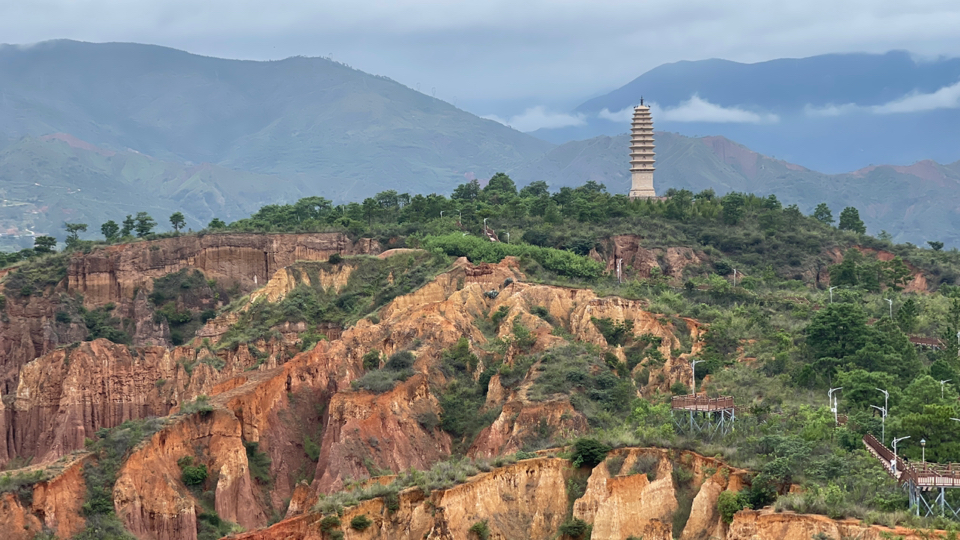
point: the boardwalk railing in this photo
(923, 475)
(701, 403)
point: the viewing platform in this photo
(696, 414)
(923, 481)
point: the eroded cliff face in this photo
(112, 274)
(530, 499)
(55, 505)
(640, 262)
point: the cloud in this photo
(620, 116)
(538, 117)
(947, 97)
(695, 109)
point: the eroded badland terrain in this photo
(174, 389)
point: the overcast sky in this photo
(498, 57)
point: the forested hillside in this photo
(345, 366)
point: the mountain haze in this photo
(342, 132)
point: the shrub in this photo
(392, 501)
(615, 463)
(400, 361)
(360, 523)
(729, 503)
(575, 528)
(199, 405)
(371, 360)
(480, 529)
(259, 463)
(647, 465)
(589, 453)
(329, 523)
(311, 448)
(62, 317)
(679, 389)
(194, 475)
(335, 258)
(382, 380)
(499, 315)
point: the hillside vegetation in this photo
(739, 283)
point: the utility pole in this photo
(693, 370)
(833, 403)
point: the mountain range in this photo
(833, 113)
(91, 132)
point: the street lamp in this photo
(883, 422)
(693, 369)
(508, 238)
(923, 452)
(831, 292)
(441, 214)
(734, 277)
(833, 403)
(895, 441)
(941, 386)
(889, 301)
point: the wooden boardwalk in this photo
(700, 403)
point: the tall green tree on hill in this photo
(145, 224)
(110, 231)
(823, 214)
(44, 244)
(128, 225)
(73, 232)
(177, 221)
(850, 221)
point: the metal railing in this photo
(701, 403)
(922, 475)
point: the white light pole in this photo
(895, 441)
(889, 301)
(833, 403)
(923, 452)
(485, 225)
(886, 409)
(831, 292)
(941, 386)
(734, 277)
(620, 271)
(883, 422)
(441, 214)
(693, 370)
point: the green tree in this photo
(733, 208)
(73, 233)
(936, 246)
(500, 189)
(44, 244)
(467, 192)
(908, 316)
(535, 190)
(850, 221)
(837, 330)
(128, 225)
(177, 221)
(110, 231)
(144, 224)
(896, 274)
(216, 224)
(823, 214)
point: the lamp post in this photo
(895, 441)
(832, 401)
(889, 301)
(883, 422)
(831, 292)
(508, 237)
(734, 277)
(923, 452)
(693, 370)
(941, 386)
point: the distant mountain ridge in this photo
(832, 113)
(342, 131)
